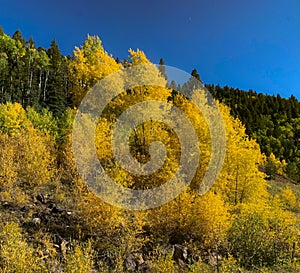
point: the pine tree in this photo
(55, 95)
(162, 68)
(192, 84)
(19, 37)
(17, 71)
(196, 75)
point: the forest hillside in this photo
(51, 221)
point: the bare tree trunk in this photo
(30, 81)
(45, 86)
(40, 81)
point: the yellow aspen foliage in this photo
(128, 240)
(204, 218)
(43, 121)
(104, 152)
(138, 57)
(200, 125)
(282, 168)
(36, 158)
(26, 161)
(8, 164)
(262, 234)
(16, 255)
(163, 262)
(140, 139)
(240, 180)
(143, 136)
(275, 166)
(200, 267)
(79, 258)
(173, 216)
(103, 138)
(65, 157)
(95, 213)
(90, 63)
(13, 118)
(144, 74)
(288, 198)
(27, 155)
(9, 167)
(211, 219)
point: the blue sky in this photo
(245, 44)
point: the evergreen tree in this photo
(55, 95)
(19, 37)
(192, 84)
(17, 68)
(162, 68)
(196, 75)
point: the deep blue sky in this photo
(245, 44)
